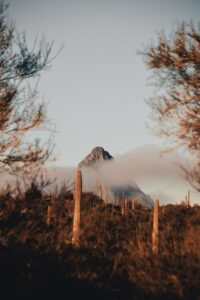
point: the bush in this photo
(115, 260)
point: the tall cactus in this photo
(100, 192)
(188, 198)
(126, 203)
(123, 204)
(155, 227)
(77, 209)
(117, 199)
(48, 215)
(132, 203)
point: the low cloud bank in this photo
(156, 175)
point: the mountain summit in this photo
(98, 176)
(96, 156)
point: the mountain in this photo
(95, 158)
(130, 191)
(99, 176)
(102, 174)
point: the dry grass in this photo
(115, 260)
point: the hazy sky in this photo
(97, 85)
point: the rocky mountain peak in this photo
(96, 156)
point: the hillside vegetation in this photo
(115, 259)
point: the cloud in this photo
(156, 175)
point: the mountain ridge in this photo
(93, 173)
(95, 157)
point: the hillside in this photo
(115, 260)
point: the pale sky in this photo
(97, 85)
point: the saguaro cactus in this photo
(49, 215)
(132, 203)
(188, 198)
(100, 192)
(117, 199)
(77, 209)
(155, 227)
(105, 196)
(123, 204)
